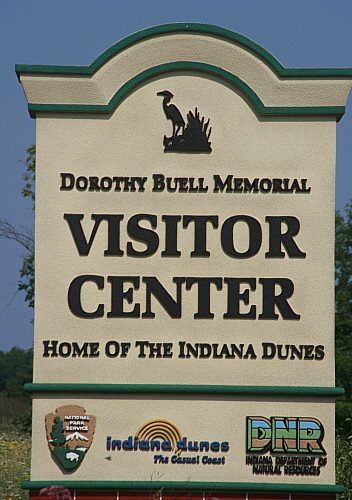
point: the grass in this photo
(15, 450)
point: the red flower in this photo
(56, 493)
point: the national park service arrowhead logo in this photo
(69, 432)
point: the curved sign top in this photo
(217, 52)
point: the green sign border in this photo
(186, 486)
(281, 71)
(188, 389)
(171, 28)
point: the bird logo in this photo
(193, 137)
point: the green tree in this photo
(343, 318)
(344, 466)
(16, 368)
(57, 433)
(24, 235)
(26, 282)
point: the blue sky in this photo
(313, 33)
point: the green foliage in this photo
(29, 176)
(343, 318)
(26, 282)
(343, 276)
(16, 368)
(15, 414)
(343, 463)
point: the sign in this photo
(184, 265)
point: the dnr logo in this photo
(285, 435)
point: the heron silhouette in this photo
(172, 113)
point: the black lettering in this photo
(67, 182)
(94, 184)
(219, 185)
(269, 350)
(105, 184)
(308, 352)
(271, 300)
(155, 288)
(171, 235)
(83, 246)
(234, 297)
(237, 185)
(50, 348)
(280, 351)
(112, 349)
(200, 232)
(277, 238)
(265, 185)
(250, 186)
(74, 296)
(159, 183)
(255, 236)
(118, 295)
(204, 294)
(65, 349)
(319, 352)
(296, 352)
(80, 351)
(150, 238)
(142, 344)
(81, 183)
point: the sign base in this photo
(188, 495)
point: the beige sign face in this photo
(185, 239)
(163, 266)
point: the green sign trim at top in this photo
(165, 29)
(337, 111)
(179, 28)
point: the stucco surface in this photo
(130, 144)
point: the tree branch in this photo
(24, 236)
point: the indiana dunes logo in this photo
(69, 433)
(162, 436)
(160, 429)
